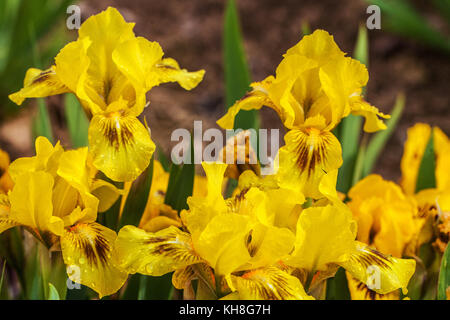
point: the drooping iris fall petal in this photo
(268, 283)
(306, 158)
(382, 274)
(153, 253)
(39, 83)
(87, 250)
(121, 145)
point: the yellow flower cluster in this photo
(277, 237)
(264, 242)
(394, 218)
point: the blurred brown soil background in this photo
(191, 32)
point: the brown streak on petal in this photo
(310, 150)
(155, 240)
(368, 294)
(43, 76)
(96, 249)
(234, 204)
(272, 288)
(373, 257)
(165, 66)
(252, 249)
(116, 131)
(173, 246)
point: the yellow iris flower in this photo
(315, 86)
(387, 219)
(56, 198)
(433, 204)
(385, 215)
(110, 70)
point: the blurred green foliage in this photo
(27, 27)
(402, 17)
(237, 74)
(444, 276)
(77, 121)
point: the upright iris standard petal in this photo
(102, 79)
(87, 250)
(385, 216)
(223, 242)
(136, 59)
(324, 235)
(46, 159)
(341, 80)
(203, 209)
(76, 79)
(319, 46)
(314, 78)
(120, 145)
(31, 203)
(267, 245)
(106, 193)
(73, 169)
(153, 254)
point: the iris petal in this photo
(120, 145)
(87, 250)
(39, 83)
(168, 70)
(154, 253)
(381, 273)
(269, 284)
(253, 100)
(308, 155)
